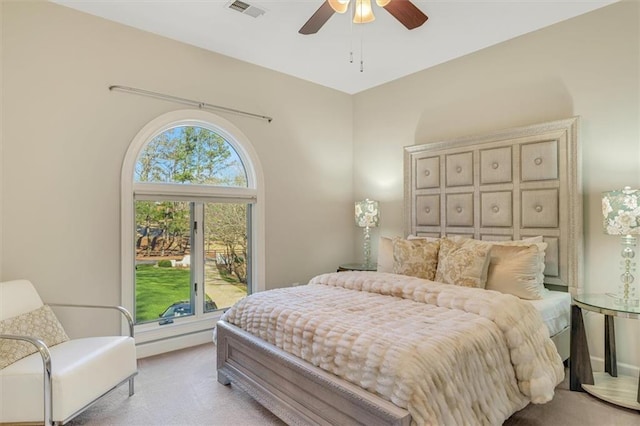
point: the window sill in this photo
(150, 333)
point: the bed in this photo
(485, 191)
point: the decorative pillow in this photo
(416, 258)
(542, 247)
(385, 254)
(463, 262)
(40, 323)
(385, 251)
(517, 267)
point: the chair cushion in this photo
(40, 323)
(83, 370)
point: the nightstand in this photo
(607, 385)
(357, 267)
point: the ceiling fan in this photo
(403, 10)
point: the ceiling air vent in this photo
(245, 8)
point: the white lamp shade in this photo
(363, 12)
(339, 6)
(621, 211)
(367, 214)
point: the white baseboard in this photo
(597, 364)
(174, 343)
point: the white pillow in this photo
(385, 254)
(420, 237)
(515, 269)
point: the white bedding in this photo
(448, 354)
(555, 310)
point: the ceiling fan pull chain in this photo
(362, 50)
(351, 38)
(361, 55)
(361, 38)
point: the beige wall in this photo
(66, 136)
(588, 67)
(1, 128)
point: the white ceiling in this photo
(390, 51)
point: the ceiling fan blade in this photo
(407, 13)
(318, 19)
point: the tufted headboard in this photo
(507, 185)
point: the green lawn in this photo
(157, 288)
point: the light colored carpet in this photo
(181, 388)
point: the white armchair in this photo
(56, 383)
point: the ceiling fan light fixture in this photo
(339, 6)
(402, 10)
(363, 12)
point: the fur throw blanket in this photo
(448, 354)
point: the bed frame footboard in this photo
(294, 390)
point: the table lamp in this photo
(621, 211)
(367, 216)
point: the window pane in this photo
(225, 248)
(163, 261)
(190, 155)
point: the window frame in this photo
(131, 190)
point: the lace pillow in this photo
(385, 251)
(40, 323)
(415, 258)
(463, 262)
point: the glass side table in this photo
(357, 267)
(607, 385)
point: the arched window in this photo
(192, 225)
